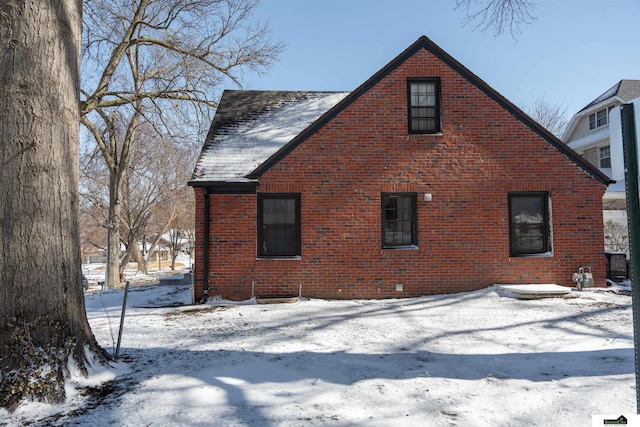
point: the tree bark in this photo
(112, 278)
(139, 258)
(42, 315)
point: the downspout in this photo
(205, 263)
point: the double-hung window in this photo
(279, 225)
(424, 105)
(529, 224)
(599, 118)
(604, 157)
(399, 220)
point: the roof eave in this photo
(226, 187)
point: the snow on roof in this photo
(251, 126)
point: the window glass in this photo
(398, 220)
(605, 156)
(597, 119)
(423, 107)
(601, 118)
(278, 225)
(529, 223)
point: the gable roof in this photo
(623, 91)
(313, 126)
(250, 126)
(626, 90)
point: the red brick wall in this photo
(463, 237)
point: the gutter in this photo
(241, 186)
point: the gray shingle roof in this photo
(250, 126)
(625, 89)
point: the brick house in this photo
(423, 180)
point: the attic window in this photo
(424, 105)
(598, 119)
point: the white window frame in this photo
(598, 119)
(602, 149)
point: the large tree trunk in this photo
(112, 272)
(42, 316)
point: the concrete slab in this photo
(533, 291)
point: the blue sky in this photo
(574, 51)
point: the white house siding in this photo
(591, 155)
(582, 128)
(586, 143)
(615, 142)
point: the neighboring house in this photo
(595, 132)
(423, 180)
(160, 252)
(96, 256)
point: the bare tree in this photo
(154, 194)
(94, 202)
(43, 322)
(175, 245)
(497, 16)
(616, 237)
(151, 58)
(183, 227)
(553, 117)
(93, 235)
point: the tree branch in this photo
(120, 50)
(498, 16)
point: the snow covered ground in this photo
(473, 359)
(95, 272)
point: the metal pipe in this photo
(124, 309)
(205, 263)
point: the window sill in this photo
(541, 255)
(425, 133)
(401, 248)
(284, 258)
